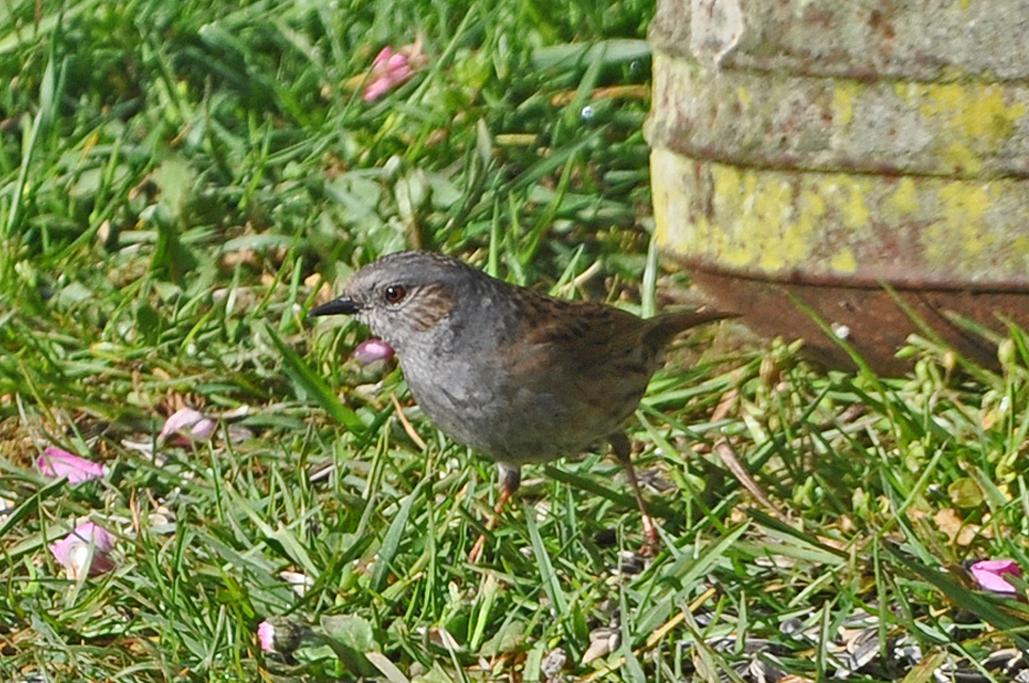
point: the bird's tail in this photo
(667, 325)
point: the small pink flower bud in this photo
(280, 636)
(391, 68)
(266, 636)
(373, 351)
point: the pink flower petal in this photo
(373, 351)
(384, 56)
(189, 423)
(266, 636)
(396, 62)
(203, 430)
(391, 68)
(58, 463)
(400, 74)
(179, 420)
(84, 551)
(376, 89)
(989, 574)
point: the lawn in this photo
(180, 182)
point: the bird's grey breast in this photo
(459, 378)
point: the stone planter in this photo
(820, 149)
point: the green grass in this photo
(178, 184)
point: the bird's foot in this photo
(476, 552)
(651, 541)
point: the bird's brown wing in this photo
(589, 336)
(583, 336)
(591, 360)
(581, 368)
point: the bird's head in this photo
(403, 297)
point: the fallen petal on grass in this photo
(188, 423)
(300, 583)
(239, 434)
(989, 574)
(85, 551)
(57, 463)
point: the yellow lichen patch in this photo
(961, 158)
(846, 196)
(758, 219)
(844, 261)
(977, 115)
(772, 222)
(906, 90)
(962, 235)
(768, 224)
(812, 205)
(726, 179)
(844, 93)
(735, 193)
(774, 209)
(905, 200)
(1019, 250)
(688, 231)
(855, 213)
(964, 203)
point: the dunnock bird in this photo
(513, 374)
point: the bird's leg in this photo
(622, 449)
(510, 479)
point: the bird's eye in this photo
(394, 294)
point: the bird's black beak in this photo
(341, 306)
